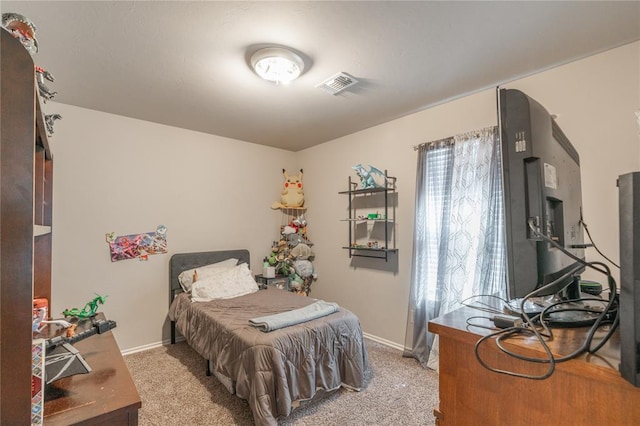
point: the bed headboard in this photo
(183, 261)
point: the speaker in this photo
(629, 209)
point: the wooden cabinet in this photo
(586, 390)
(105, 396)
(25, 199)
(371, 219)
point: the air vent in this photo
(337, 83)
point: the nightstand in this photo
(279, 281)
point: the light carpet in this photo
(175, 390)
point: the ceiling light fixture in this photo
(277, 64)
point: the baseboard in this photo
(377, 339)
(382, 341)
(150, 346)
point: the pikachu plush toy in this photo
(292, 194)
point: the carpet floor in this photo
(175, 390)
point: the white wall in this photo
(127, 176)
(377, 291)
(115, 174)
(594, 99)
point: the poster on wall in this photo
(137, 246)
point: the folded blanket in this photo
(315, 310)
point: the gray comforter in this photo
(273, 371)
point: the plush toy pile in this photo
(292, 255)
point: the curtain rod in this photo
(450, 139)
(431, 143)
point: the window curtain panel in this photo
(458, 248)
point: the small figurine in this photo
(45, 92)
(21, 28)
(49, 120)
(293, 194)
(71, 331)
(366, 176)
(89, 309)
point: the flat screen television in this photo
(542, 195)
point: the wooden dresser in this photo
(105, 396)
(587, 390)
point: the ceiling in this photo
(185, 64)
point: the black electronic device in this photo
(629, 216)
(98, 326)
(63, 360)
(542, 196)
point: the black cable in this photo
(470, 324)
(586, 228)
(530, 326)
(585, 347)
(509, 332)
(487, 307)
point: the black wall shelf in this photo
(366, 200)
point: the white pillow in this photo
(230, 283)
(186, 277)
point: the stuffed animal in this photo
(301, 251)
(296, 283)
(289, 230)
(304, 268)
(299, 222)
(293, 194)
(295, 239)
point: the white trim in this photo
(383, 341)
(380, 340)
(149, 346)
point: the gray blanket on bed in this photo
(273, 371)
(310, 312)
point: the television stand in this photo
(587, 390)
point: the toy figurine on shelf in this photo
(43, 75)
(23, 29)
(366, 176)
(49, 120)
(89, 310)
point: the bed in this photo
(274, 371)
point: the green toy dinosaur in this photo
(89, 309)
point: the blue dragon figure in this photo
(366, 176)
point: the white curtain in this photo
(458, 248)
